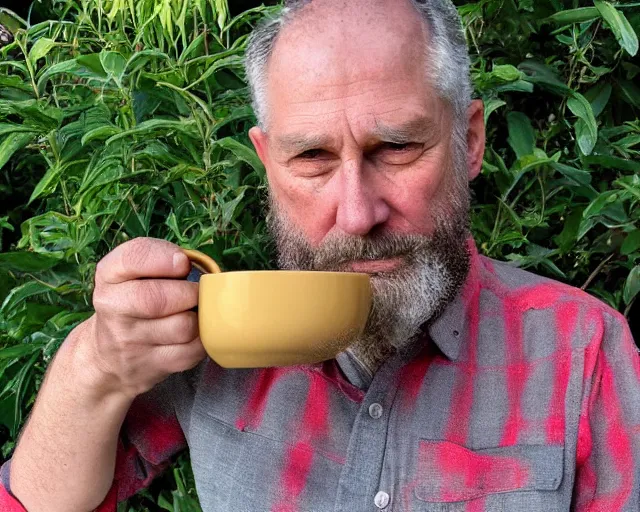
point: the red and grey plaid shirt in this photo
(523, 396)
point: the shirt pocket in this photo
(523, 477)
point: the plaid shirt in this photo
(523, 396)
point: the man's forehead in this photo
(326, 32)
(348, 61)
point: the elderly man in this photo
(476, 386)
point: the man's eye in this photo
(396, 147)
(399, 154)
(311, 154)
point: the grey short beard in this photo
(406, 299)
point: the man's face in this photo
(363, 171)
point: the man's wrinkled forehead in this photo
(316, 17)
(327, 37)
(343, 52)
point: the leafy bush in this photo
(122, 119)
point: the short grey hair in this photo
(448, 57)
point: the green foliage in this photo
(126, 120)
(560, 185)
(121, 119)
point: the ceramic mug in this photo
(265, 318)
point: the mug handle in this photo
(202, 262)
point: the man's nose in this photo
(360, 205)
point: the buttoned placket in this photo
(360, 486)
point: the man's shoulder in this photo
(548, 305)
(514, 281)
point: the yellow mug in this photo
(265, 318)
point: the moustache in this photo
(337, 252)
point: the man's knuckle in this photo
(185, 325)
(153, 299)
(101, 301)
(136, 253)
(101, 270)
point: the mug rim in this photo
(290, 272)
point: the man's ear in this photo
(476, 138)
(259, 140)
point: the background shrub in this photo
(122, 119)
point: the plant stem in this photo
(598, 269)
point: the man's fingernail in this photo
(179, 260)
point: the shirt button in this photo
(381, 500)
(375, 411)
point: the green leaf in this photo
(27, 261)
(619, 25)
(14, 64)
(541, 74)
(172, 223)
(4, 223)
(40, 49)
(578, 176)
(47, 183)
(14, 128)
(12, 143)
(191, 49)
(222, 10)
(242, 152)
(629, 141)
(21, 293)
(228, 208)
(100, 133)
(232, 62)
(613, 162)
(144, 57)
(186, 127)
(506, 73)
(579, 15)
(522, 137)
(490, 106)
(113, 64)
(93, 63)
(630, 92)
(36, 113)
(66, 66)
(632, 285)
(631, 244)
(18, 351)
(585, 135)
(569, 235)
(525, 164)
(14, 81)
(600, 202)
(599, 96)
(24, 377)
(586, 126)
(517, 86)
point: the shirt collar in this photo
(449, 330)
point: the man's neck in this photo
(371, 355)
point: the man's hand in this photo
(143, 329)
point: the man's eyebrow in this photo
(415, 130)
(299, 143)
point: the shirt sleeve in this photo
(150, 438)
(608, 448)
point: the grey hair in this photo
(448, 57)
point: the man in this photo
(476, 386)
